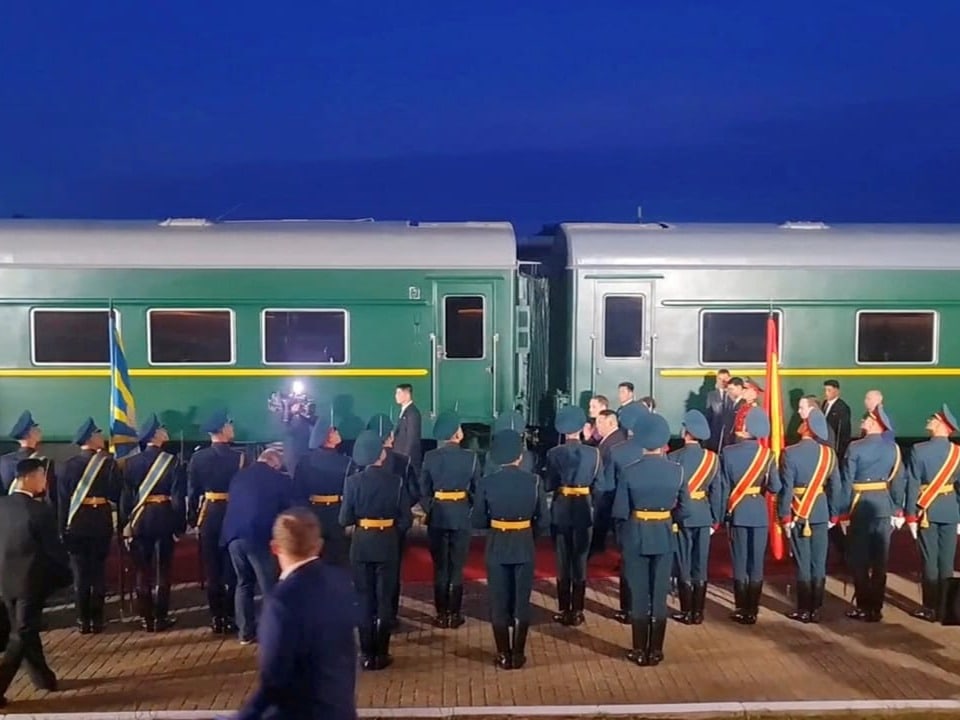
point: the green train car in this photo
(224, 314)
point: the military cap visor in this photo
(446, 426)
(947, 418)
(506, 447)
(86, 431)
(696, 424)
(319, 433)
(570, 419)
(510, 421)
(817, 425)
(880, 415)
(630, 413)
(652, 432)
(149, 428)
(216, 422)
(758, 424)
(24, 424)
(367, 448)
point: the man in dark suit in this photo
(837, 413)
(258, 494)
(308, 649)
(406, 438)
(611, 435)
(719, 408)
(33, 565)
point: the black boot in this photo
(501, 636)
(818, 589)
(83, 611)
(579, 597)
(564, 593)
(641, 639)
(382, 639)
(804, 602)
(754, 591)
(145, 611)
(878, 589)
(685, 615)
(739, 601)
(164, 620)
(623, 614)
(441, 604)
(861, 591)
(699, 603)
(368, 648)
(454, 615)
(940, 609)
(216, 613)
(658, 631)
(97, 613)
(929, 601)
(519, 645)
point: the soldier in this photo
(375, 502)
(749, 472)
(620, 456)
(651, 496)
(208, 482)
(701, 473)
(510, 503)
(574, 475)
(808, 504)
(750, 399)
(933, 493)
(318, 482)
(449, 479)
(153, 516)
(26, 432)
(513, 421)
(875, 483)
(90, 483)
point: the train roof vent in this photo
(804, 225)
(185, 222)
(653, 226)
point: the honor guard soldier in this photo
(153, 515)
(27, 432)
(701, 473)
(90, 483)
(512, 505)
(651, 497)
(749, 473)
(449, 479)
(807, 507)
(318, 482)
(621, 456)
(513, 421)
(574, 474)
(208, 483)
(933, 502)
(877, 492)
(376, 504)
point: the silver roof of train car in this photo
(799, 245)
(337, 244)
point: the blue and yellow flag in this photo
(123, 411)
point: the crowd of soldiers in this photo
(614, 469)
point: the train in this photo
(232, 314)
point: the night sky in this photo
(534, 112)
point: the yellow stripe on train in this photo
(216, 372)
(758, 370)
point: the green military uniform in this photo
(574, 476)
(874, 483)
(933, 503)
(8, 463)
(512, 506)
(448, 481)
(651, 497)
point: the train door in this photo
(465, 349)
(623, 338)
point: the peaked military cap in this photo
(216, 421)
(880, 415)
(817, 424)
(752, 384)
(758, 424)
(510, 421)
(24, 424)
(367, 448)
(570, 419)
(696, 424)
(319, 432)
(149, 428)
(651, 431)
(446, 426)
(630, 413)
(86, 431)
(506, 446)
(947, 417)
(381, 424)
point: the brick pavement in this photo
(776, 660)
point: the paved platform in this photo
(187, 668)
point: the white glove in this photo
(845, 525)
(958, 529)
(788, 527)
(713, 530)
(913, 529)
(897, 522)
(831, 525)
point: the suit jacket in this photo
(308, 650)
(838, 422)
(33, 561)
(257, 495)
(720, 413)
(406, 438)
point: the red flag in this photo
(773, 406)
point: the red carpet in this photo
(417, 566)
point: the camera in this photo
(293, 404)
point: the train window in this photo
(736, 337)
(187, 336)
(304, 337)
(70, 336)
(623, 326)
(894, 336)
(463, 327)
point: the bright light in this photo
(297, 387)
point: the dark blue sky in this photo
(534, 111)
